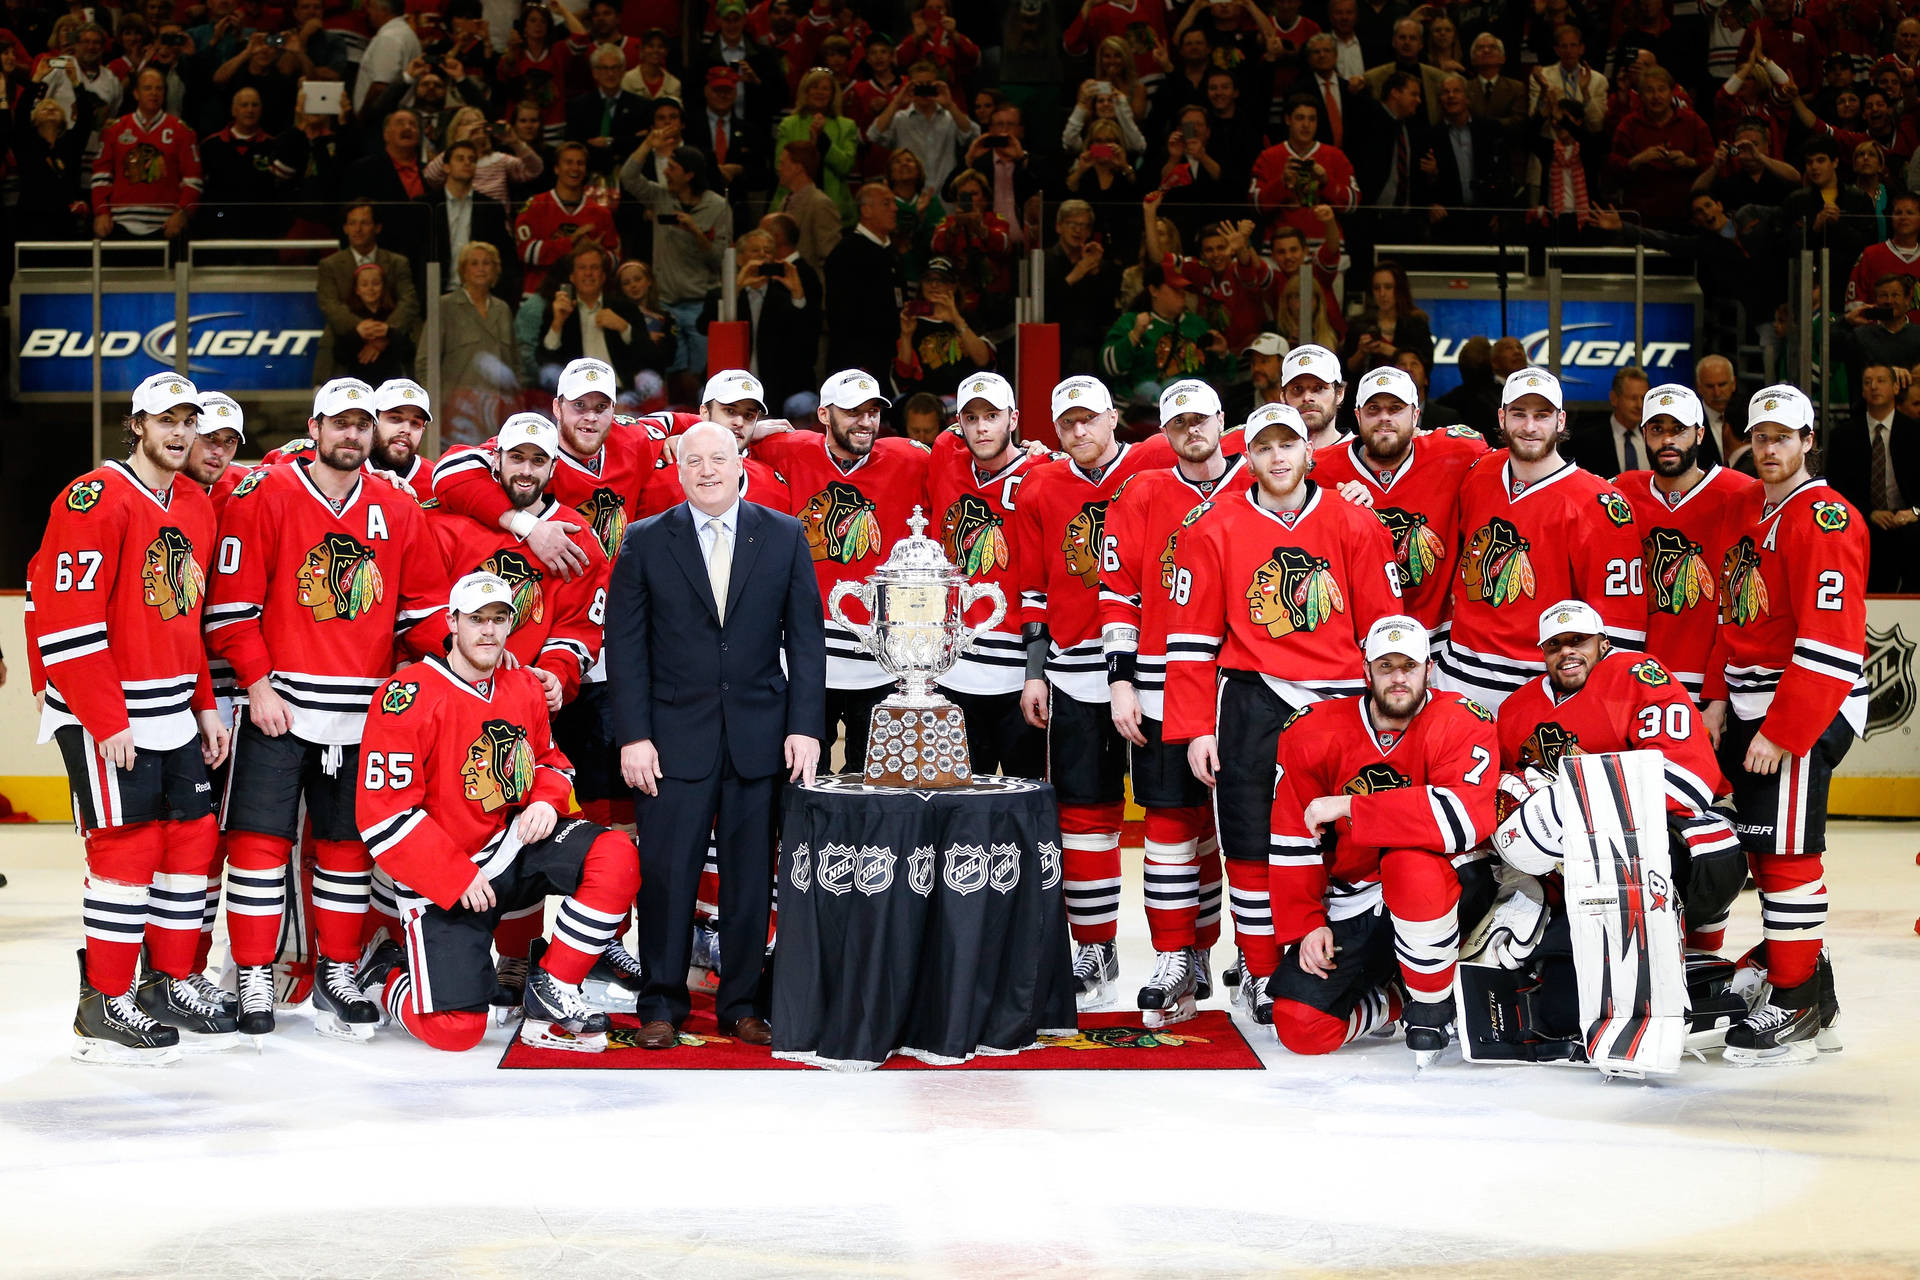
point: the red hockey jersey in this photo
(314, 598)
(1523, 547)
(1137, 569)
(605, 489)
(418, 475)
(445, 766)
(972, 514)
(1288, 595)
(852, 516)
(548, 229)
(1792, 644)
(1419, 503)
(1684, 539)
(146, 171)
(223, 487)
(558, 623)
(761, 484)
(1431, 788)
(116, 592)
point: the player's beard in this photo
(153, 447)
(993, 451)
(1669, 469)
(1533, 450)
(1394, 705)
(383, 455)
(1192, 448)
(843, 438)
(1391, 438)
(1566, 684)
(204, 474)
(522, 497)
(342, 457)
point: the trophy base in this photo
(917, 743)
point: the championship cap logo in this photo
(1073, 393)
(1772, 404)
(1182, 398)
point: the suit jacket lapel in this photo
(749, 533)
(684, 539)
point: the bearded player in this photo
(1270, 588)
(1402, 780)
(1144, 524)
(1313, 382)
(1786, 695)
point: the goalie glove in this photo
(1528, 838)
(1510, 933)
(1514, 788)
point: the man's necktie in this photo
(1882, 501)
(720, 565)
(1334, 125)
(720, 141)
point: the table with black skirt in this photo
(922, 922)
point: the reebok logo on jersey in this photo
(172, 579)
(972, 536)
(499, 766)
(1293, 591)
(1677, 574)
(1496, 567)
(1416, 548)
(840, 524)
(339, 578)
(1746, 589)
(1082, 542)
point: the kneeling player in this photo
(1405, 778)
(459, 802)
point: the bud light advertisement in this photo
(237, 342)
(1596, 338)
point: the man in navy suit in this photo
(705, 599)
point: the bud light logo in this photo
(1596, 338)
(237, 342)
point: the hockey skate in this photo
(1252, 994)
(1712, 1003)
(116, 1031)
(1429, 1030)
(1096, 972)
(510, 977)
(204, 1026)
(558, 1018)
(255, 984)
(341, 1010)
(703, 964)
(615, 980)
(1202, 974)
(1781, 1029)
(1828, 1041)
(213, 993)
(1168, 996)
(1230, 976)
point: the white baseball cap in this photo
(1314, 359)
(1266, 344)
(1271, 415)
(1397, 633)
(477, 590)
(731, 386)
(1189, 395)
(1576, 616)
(584, 376)
(1080, 392)
(1781, 403)
(162, 391)
(991, 387)
(528, 428)
(851, 388)
(221, 412)
(1532, 381)
(1389, 380)
(397, 393)
(1675, 401)
(341, 395)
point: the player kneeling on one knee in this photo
(459, 802)
(1404, 777)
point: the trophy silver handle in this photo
(971, 591)
(863, 592)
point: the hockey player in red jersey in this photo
(971, 495)
(1592, 701)
(401, 414)
(146, 177)
(1059, 536)
(732, 398)
(221, 431)
(1144, 523)
(854, 491)
(1535, 527)
(1271, 589)
(1313, 382)
(320, 567)
(1402, 779)
(118, 586)
(460, 795)
(1687, 519)
(1790, 659)
(1411, 481)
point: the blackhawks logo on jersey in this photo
(1168, 568)
(172, 579)
(518, 572)
(398, 696)
(84, 496)
(1082, 541)
(607, 515)
(499, 766)
(1496, 567)
(1293, 591)
(841, 524)
(296, 448)
(1376, 778)
(973, 536)
(339, 578)
(1677, 572)
(1746, 589)
(1830, 517)
(1648, 671)
(1546, 745)
(1476, 710)
(1416, 548)
(1616, 508)
(249, 482)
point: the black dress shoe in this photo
(750, 1030)
(658, 1035)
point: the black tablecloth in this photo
(922, 922)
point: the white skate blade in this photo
(215, 1042)
(105, 1053)
(548, 1035)
(330, 1025)
(1182, 1009)
(609, 997)
(1799, 1053)
(1829, 1041)
(506, 1014)
(1102, 996)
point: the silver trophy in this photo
(918, 601)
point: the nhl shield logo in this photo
(966, 868)
(874, 874)
(1004, 867)
(837, 863)
(1891, 692)
(1049, 864)
(802, 873)
(920, 870)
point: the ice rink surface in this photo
(317, 1158)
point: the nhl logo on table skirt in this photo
(802, 867)
(1892, 694)
(920, 870)
(1049, 864)
(1004, 867)
(837, 863)
(966, 868)
(874, 874)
